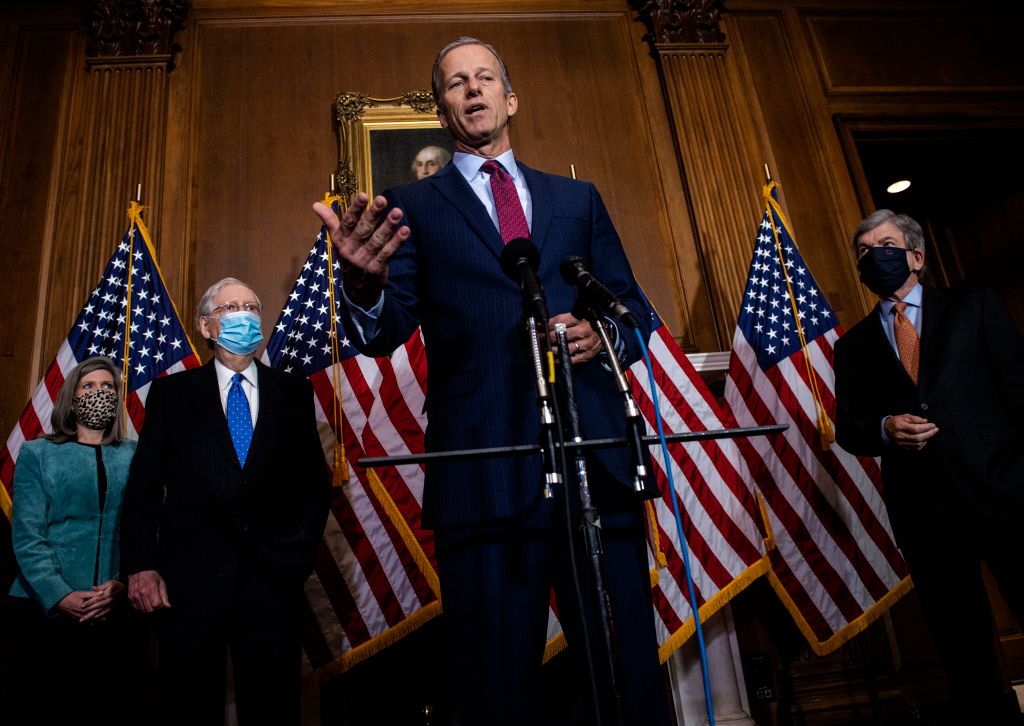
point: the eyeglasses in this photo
(228, 308)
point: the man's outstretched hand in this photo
(365, 237)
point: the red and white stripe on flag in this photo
(375, 579)
(718, 509)
(138, 318)
(834, 562)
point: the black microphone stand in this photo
(548, 430)
(638, 453)
(591, 524)
(520, 260)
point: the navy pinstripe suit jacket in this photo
(447, 278)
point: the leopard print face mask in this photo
(96, 409)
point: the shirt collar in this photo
(469, 164)
(225, 374)
(912, 299)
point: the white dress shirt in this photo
(250, 387)
(912, 311)
(480, 181)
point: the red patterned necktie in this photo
(907, 342)
(511, 219)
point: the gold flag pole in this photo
(339, 469)
(134, 213)
(771, 207)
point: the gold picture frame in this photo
(378, 139)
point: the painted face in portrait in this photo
(429, 160)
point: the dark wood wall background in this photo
(235, 142)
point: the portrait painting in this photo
(388, 142)
(399, 156)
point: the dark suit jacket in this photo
(193, 513)
(971, 385)
(447, 277)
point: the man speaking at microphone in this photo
(429, 254)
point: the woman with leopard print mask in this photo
(72, 628)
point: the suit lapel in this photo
(881, 342)
(270, 405)
(933, 310)
(542, 201)
(206, 398)
(453, 187)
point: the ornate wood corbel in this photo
(681, 21)
(133, 32)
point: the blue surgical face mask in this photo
(239, 332)
(884, 269)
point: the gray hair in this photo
(437, 82)
(911, 230)
(442, 155)
(63, 420)
(206, 306)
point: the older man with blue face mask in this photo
(224, 509)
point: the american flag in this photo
(718, 509)
(375, 578)
(129, 317)
(834, 562)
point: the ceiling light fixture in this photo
(898, 186)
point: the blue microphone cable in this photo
(679, 530)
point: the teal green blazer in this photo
(56, 522)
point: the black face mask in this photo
(884, 269)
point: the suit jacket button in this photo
(924, 406)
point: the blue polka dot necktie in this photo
(239, 418)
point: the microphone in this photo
(520, 260)
(574, 271)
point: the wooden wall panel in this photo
(115, 142)
(723, 153)
(861, 53)
(256, 97)
(36, 61)
(810, 166)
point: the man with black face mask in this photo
(932, 381)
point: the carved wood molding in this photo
(349, 109)
(681, 21)
(692, 49)
(133, 32)
(351, 105)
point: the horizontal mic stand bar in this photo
(528, 449)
